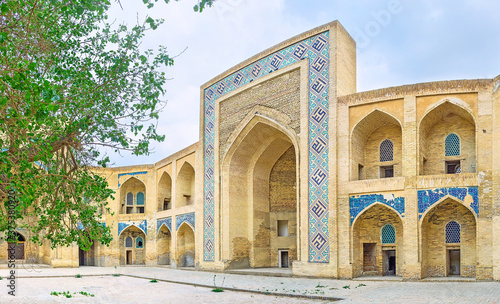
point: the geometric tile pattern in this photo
(143, 225)
(164, 221)
(388, 234)
(188, 218)
(452, 232)
(427, 198)
(452, 145)
(358, 203)
(316, 50)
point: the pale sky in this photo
(399, 42)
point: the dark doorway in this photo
(129, 257)
(284, 258)
(16, 249)
(369, 256)
(454, 261)
(389, 262)
(86, 258)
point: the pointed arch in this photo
(446, 131)
(131, 225)
(443, 199)
(376, 226)
(129, 196)
(185, 185)
(371, 206)
(435, 241)
(163, 244)
(367, 137)
(165, 192)
(185, 245)
(247, 166)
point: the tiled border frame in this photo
(316, 50)
(427, 198)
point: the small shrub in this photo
(360, 285)
(347, 287)
(116, 274)
(153, 281)
(78, 276)
(217, 290)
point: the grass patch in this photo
(153, 281)
(116, 274)
(347, 287)
(217, 290)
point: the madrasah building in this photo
(296, 169)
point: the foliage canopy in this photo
(71, 82)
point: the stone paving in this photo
(186, 286)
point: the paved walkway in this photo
(134, 288)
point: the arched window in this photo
(140, 199)
(452, 145)
(388, 234)
(386, 151)
(139, 242)
(128, 242)
(130, 198)
(452, 232)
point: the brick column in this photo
(412, 262)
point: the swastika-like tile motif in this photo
(427, 198)
(358, 203)
(164, 221)
(188, 218)
(143, 225)
(316, 50)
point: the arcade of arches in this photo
(294, 168)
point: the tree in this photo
(71, 83)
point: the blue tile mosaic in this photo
(164, 221)
(427, 198)
(358, 203)
(143, 225)
(316, 50)
(188, 218)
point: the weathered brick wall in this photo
(432, 144)
(185, 246)
(137, 253)
(163, 243)
(367, 229)
(283, 205)
(281, 93)
(434, 248)
(282, 183)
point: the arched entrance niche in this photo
(185, 184)
(17, 248)
(185, 246)
(132, 196)
(260, 197)
(448, 120)
(165, 192)
(442, 256)
(377, 241)
(163, 241)
(376, 147)
(132, 246)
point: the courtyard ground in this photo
(186, 286)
